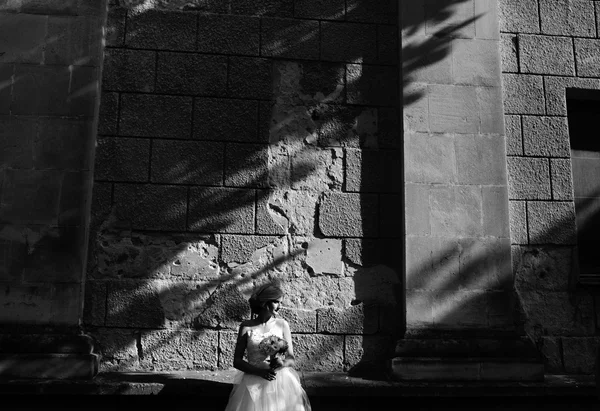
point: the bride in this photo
(267, 381)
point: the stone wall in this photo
(547, 47)
(50, 59)
(241, 142)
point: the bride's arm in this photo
(243, 365)
(289, 360)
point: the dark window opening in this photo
(583, 111)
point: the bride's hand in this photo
(276, 362)
(268, 374)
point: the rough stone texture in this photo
(155, 116)
(225, 210)
(528, 178)
(173, 74)
(346, 215)
(523, 94)
(577, 354)
(509, 53)
(552, 352)
(118, 348)
(546, 55)
(227, 341)
(134, 304)
(586, 55)
(366, 353)
(546, 136)
(555, 88)
(519, 16)
(163, 30)
(250, 77)
(518, 222)
(122, 159)
(316, 352)
(562, 179)
(567, 18)
(348, 41)
(231, 120)
(551, 222)
(94, 306)
(281, 211)
(542, 268)
(228, 34)
(129, 70)
(246, 165)
(300, 321)
(225, 308)
(358, 319)
(179, 350)
(289, 38)
(320, 9)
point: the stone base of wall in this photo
(48, 366)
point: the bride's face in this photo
(273, 306)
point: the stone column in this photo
(461, 308)
(50, 59)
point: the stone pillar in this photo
(50, 60)
(461, 308)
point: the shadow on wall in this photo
(198, 199)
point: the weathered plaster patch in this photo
(324, 256)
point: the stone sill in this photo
(217, 385)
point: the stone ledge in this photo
(216, 385)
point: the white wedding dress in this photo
(254, 393)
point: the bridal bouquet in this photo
(275, 348)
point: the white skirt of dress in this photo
(254, 393)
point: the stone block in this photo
(357, 319)
(173, 74)
(228, 34)
(41, 90)
(300, 321)
(317, 352)
(22, 46)
(239, 248)
(224, 210)
(115, 26)
(586, 54)
(388, 49)
(94, 305)
(75, 191)
(546, 55)
(430, 158)
(372, 171)
(290, 38)
(580, 354)
(84, 90)
(348, 42)
(558, 313)
(186, 162)
(144, 115)
(63, 143)
(69, 7)
(101, 202)
(180, 350)
(109, 113)
(546, 136)
(250, 78)
(476, 62)
(16, 141)
(567, 18)
(485, 264)
(509, 53)
(432, 259)
(514, 135)
(456, 211)
(552, 353)
(129, 70)
(73, 40)
(371, 85)
(372, 11)
(416, 107)
(151, 207)
(480, 159)
(469, 309)
(523, 94)
(562, 179)
(543, 267)
(272, 8)
(226, 308)
(518, 222)
(227, 342)
(14, 256)
(417, 212)
(495, 211)
(324, 257)
(49, 366)
(162, 30)
(246, 165)
(320, 9)
(427, 59)
(31, 196)
(115, 346)
(450, 19)
(555, 89)
(122, 159)
(316, 169)
(6, 73)
(348, 215)
(134, 304)
(487, 24)
(491, 115)
(453, 109)
(528, 178)
(368, 353)
(231, 120)
(270, 217)
(390, 215)
(519, 16)
(551, 222)
(419, 309)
